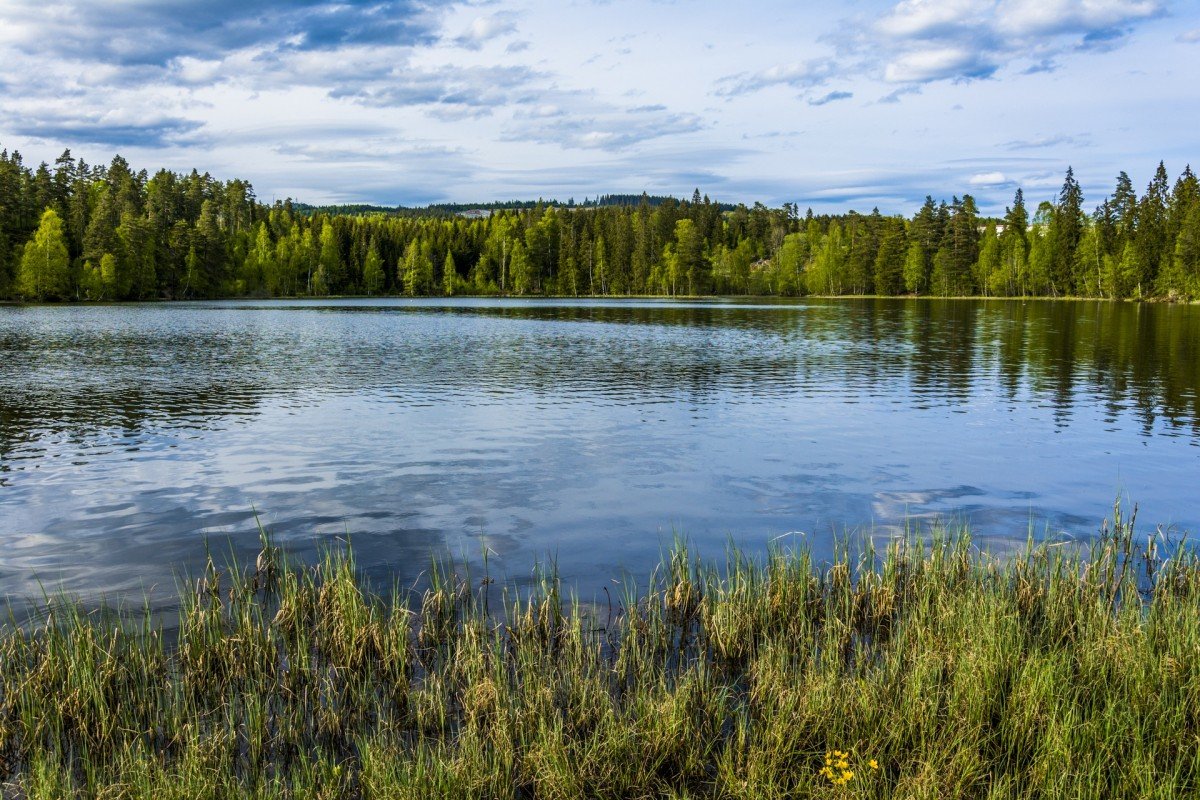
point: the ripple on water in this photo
(589, 432)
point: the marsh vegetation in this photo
(926, 668)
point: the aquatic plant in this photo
(926, 668)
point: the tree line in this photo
(74, 231)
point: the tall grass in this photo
(927, 670)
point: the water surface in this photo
(587, 433)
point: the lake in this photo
(584, 433)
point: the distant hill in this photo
(449, 209)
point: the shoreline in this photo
(785, 299)
(928, 668)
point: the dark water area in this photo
(587, 433)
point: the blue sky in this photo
(834, 106)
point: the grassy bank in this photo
(930, 671)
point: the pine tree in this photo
(1014, 248)
(942, 277)
(1066, 231)
(1150, 237)
(889, 260)
(689, 252)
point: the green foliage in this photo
(690, 263)
(191, 236)
(826, 273)
(989, 271)
(330, 275)
(417, 270)
(916, 277)
(45, 265)
(373, 271)
(450, 278)
(890, 259)
(520, 270)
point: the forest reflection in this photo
(215, 364)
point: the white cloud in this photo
(921, 66)
(197, 70)
(796, 75)
(989, 179)
(921, 41)
(922, 18)
(1023, 18)
(483, 29)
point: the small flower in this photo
(873, 764)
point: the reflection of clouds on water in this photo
(587, 433)
(1014, 515)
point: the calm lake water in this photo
(587, 433)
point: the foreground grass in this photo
(929, 671)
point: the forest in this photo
(74, 231)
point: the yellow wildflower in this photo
(873, 764)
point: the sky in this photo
(829, 105)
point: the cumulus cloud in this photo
(484, 29)
(1023, 18)
(931, 40)
(930, 18)
(923, 66)
(1190, 37)
(916, 42)
(155, 32)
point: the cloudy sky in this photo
(831, 105)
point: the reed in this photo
(925, 669)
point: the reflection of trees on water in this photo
(196, 367)
(116, 412)
(1121, 356)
